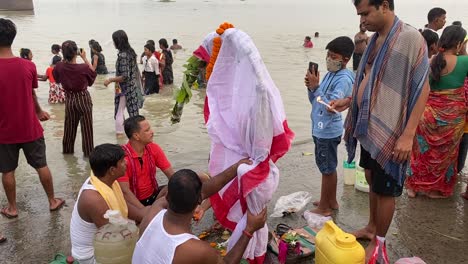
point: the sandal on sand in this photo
(379, 255)
(282, 228)
(4, 212)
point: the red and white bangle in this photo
(247, 234)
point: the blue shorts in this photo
(326, 154)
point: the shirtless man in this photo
(175, 45)
(391, 146)
(360, 45)
(166, 233)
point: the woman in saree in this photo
(128, 87)
(166, 62)
(433, 168)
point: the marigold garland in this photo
(216, 48)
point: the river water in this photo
(276, 26)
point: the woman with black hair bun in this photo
(128, 87)
(26, 54)
(75, 79)
(434, 156)
(99, 61)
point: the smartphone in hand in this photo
(313, 68)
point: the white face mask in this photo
(334, 65)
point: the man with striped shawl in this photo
(388, 99)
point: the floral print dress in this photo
(131, 87)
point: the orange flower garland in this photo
(216, 48)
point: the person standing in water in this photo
(99, 61)
(151, 70)
(175, 45)
(56, 92)
(90, 44)
(308, 43)
(26, 54)
(128, 87)
(166, 62)
(75, 79)
(55, 50)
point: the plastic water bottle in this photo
(349, 172)
(115, 242)
(315, 221)
(361, 182)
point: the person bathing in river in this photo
(56, 92)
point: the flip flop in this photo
(61, 204)
(282, 228)
(6, 214)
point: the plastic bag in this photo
(413, 260)
(315, 221)
(291, 203)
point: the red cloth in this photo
(74, 77)
(308, 44)
(436, 145)
(202, 54)
(158, 56)
(50, 75)
(145, 188)
(18, 121)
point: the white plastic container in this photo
(349, 172)
(114, 243)
(361, 182)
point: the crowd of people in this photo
(410, 123)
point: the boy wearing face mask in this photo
(327, 125)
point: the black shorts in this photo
(151, 82)
(35, 153)
(356, 60)
(150, 200)
(382, 183)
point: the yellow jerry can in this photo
(334, 246)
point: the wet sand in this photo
(435, 230)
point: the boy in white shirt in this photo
(151, 70)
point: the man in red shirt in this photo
(139, 183)
(19, 122)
